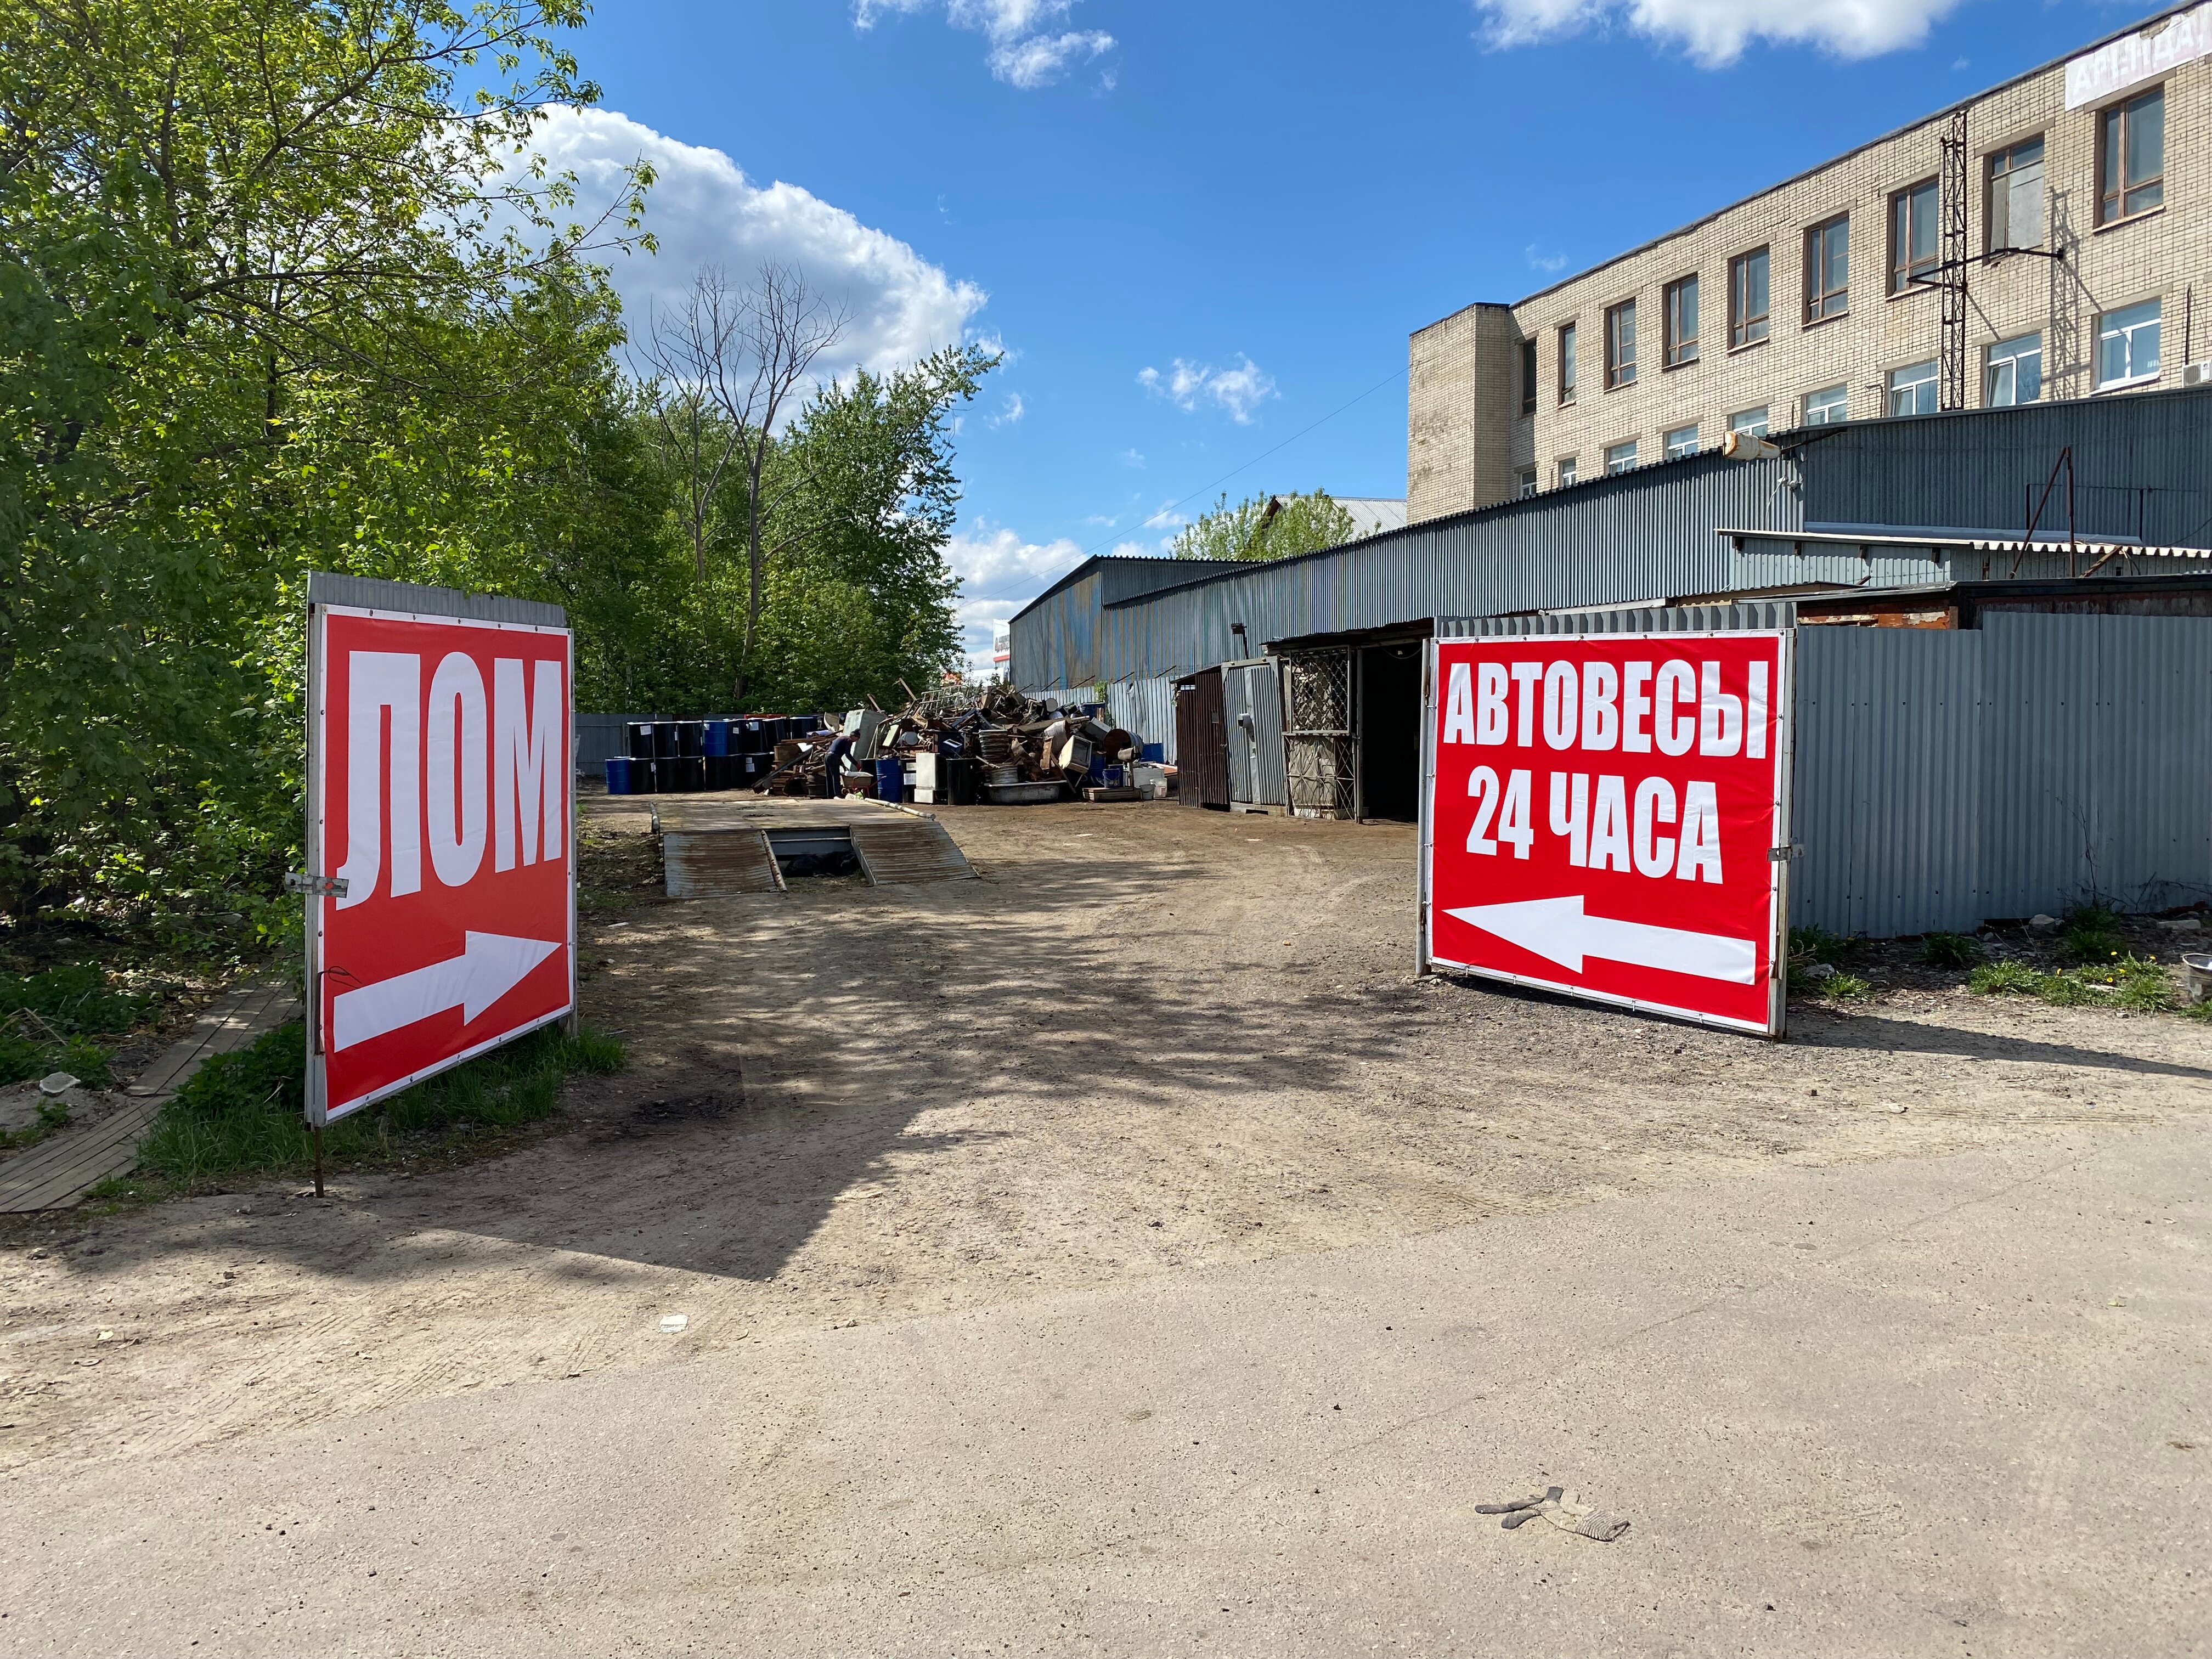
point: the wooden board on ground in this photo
(60, 1170)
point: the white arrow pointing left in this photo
(1559, 930)
(489, 966)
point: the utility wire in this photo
(1247, 465)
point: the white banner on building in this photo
(2096, 76)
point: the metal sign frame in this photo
(1779, 855)
(322, 885)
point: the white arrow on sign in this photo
(1557, 930)
(489, 966)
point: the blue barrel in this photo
(1155, 752)
(890, 779)
(618, 777)
(718, 736)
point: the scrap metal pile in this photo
(967, 745)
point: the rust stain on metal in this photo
(902, 851)
(718, 863)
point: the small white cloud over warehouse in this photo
(703, 210)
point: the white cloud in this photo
(1133, 457)
(1716, 32)
(1186, 385)
(991, 562)
(1024, 51)
(1010, 413)
(1545, 262)
(980, 621)
(1041, 59)
(703, 210)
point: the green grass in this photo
(1846, 988)
(240, 1115)
(2128, 982)
(51, 1021)
(1950, 950)
(2004, 978)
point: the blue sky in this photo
(1198, 228)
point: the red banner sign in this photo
(438, 819)
(1607, 815)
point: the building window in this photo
(1525, 483)
(1619, 458)
(1566, 365)
(1747, 298)
(1913, 235)
(1620, 345)
(2015, 215)
(1912, 389)
(1751, 422)
(2015, 372)
(1566, 470)
(1827, 274)
(1682, 322)
(2126, 346)
(1682, 441)
(1527, 377)
(2131, 157)
(1827, 406)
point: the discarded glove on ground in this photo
(1559, 1508)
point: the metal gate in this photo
(1320, 758)
(1201, 741)
(1252, 698)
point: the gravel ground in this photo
(1149, 1040)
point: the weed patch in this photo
(2004, 979)
(1846, 988)
(51, 1021)
(240, 1115)
(1950, 950)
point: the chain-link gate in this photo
(1318, 745)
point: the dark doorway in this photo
(1390, 731)
(1201, 741)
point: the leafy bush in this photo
(1950, 950)
(2004, 978)
(240, 1114)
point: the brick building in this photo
(1913, 274)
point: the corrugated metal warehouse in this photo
(1992, 739)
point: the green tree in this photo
(279, 289)
(1265, 527)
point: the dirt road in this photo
(1149, 1040)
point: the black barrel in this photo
(690, 738)
(663, 740)
(637, 738)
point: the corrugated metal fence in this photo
(599, 738)
(1944, 777)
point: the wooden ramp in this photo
(60, 1170)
